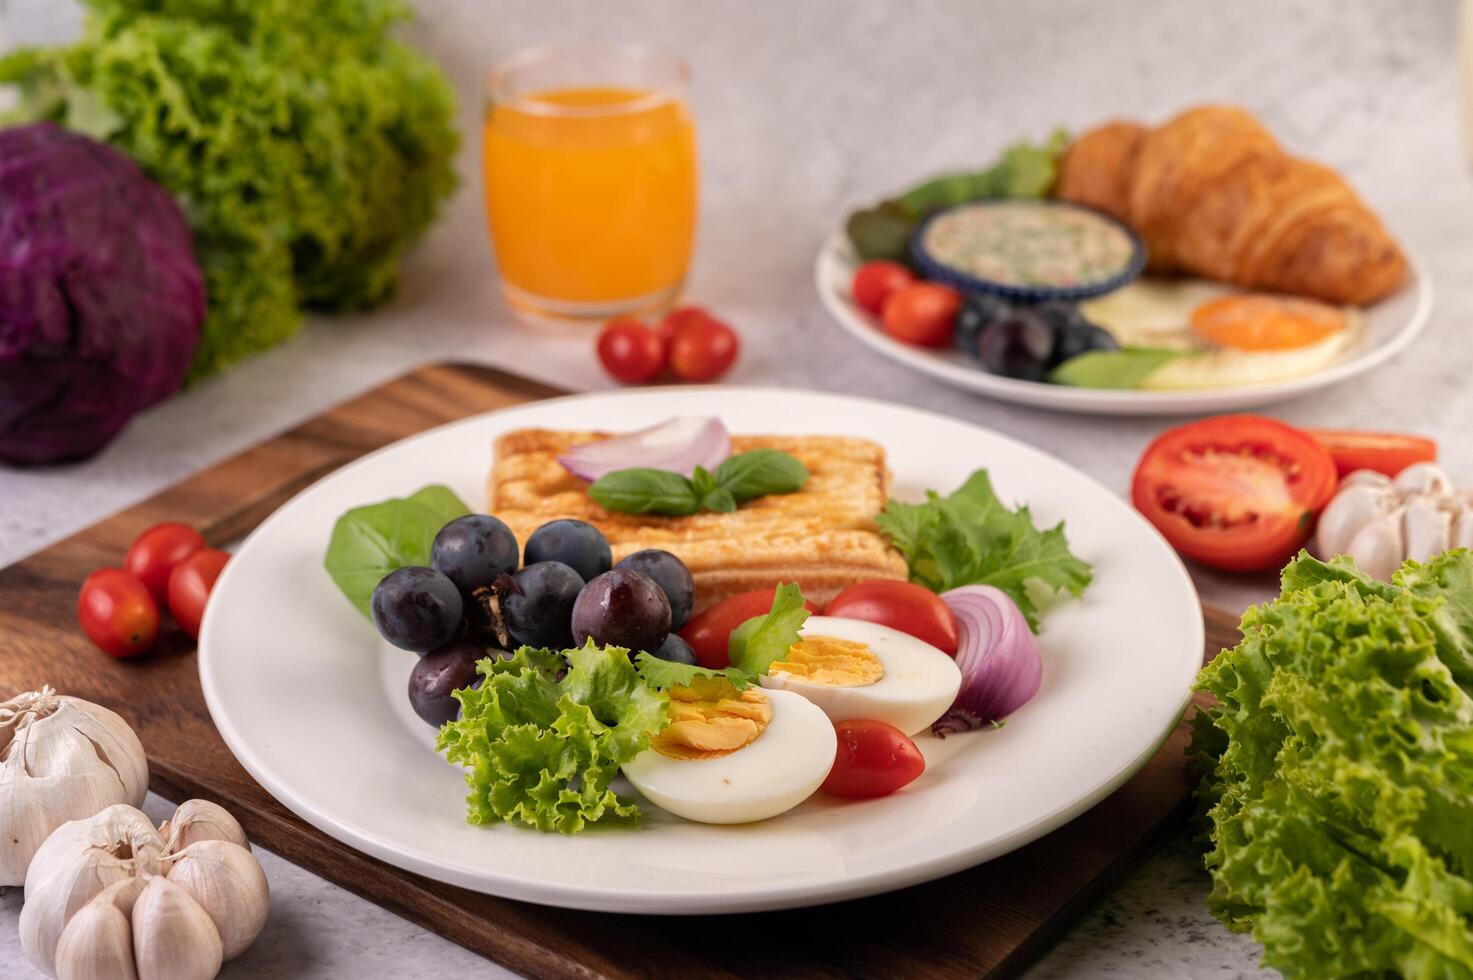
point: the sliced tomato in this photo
(873, 759)
(708, 631)
(902, 606)
(1238, 492)
(1384, 452)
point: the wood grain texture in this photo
(991, 920)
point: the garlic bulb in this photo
(1382, 522)
(61, 758)
(111, 896)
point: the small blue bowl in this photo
(939, 271)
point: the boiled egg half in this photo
(854, 669)
(730, 756)
(1226, 337)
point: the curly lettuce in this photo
(1337, 763)
(544, 734)
(308, 148)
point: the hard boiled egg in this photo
(855, 669)
(734, 757)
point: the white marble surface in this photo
(806, 110)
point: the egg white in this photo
(920, 681)
(1158, 313)
(774, 773)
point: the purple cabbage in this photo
(101, 299)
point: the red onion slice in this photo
(998, 656)
(678, 445)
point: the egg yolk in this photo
(711, 718)
(831, 661)
(1264, 323)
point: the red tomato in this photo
(117, 613)
(155, 552)
(703, 349)
(190, 584)
(630, 351)
(1384, 452)
(874, 759)
(922, 313)
(708, 631)
(1238, 492)
(876, 280)
(677, 318)
(902, 606)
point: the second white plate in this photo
(1389, 327)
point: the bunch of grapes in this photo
(483, 596)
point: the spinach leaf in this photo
(371, 541)
(1124, 368)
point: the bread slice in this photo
(823, 537)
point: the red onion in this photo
(998, 656)
(678, 445)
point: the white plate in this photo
(314, 705)
(1388, 327)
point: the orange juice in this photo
(591, 197)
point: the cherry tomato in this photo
(708, 631)
(117, 612)
(189, 587)
(922, 314)
(1238, 492)
(902, 606)
(703, 349)
(630, 351)
(155, 552)
(1384, 452)
(876, 280)
(677, 318)
(874, 759)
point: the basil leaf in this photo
(702, 482)
(646, 491)
(371, 541)
(1124, 368)
(761, 472)
(719, 500)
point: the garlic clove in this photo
(61, 759)
(198, 820)
(97, 944)
(1461, 533)
(1426, 527)
(173, 938)
(1366, 478)
(1423, 478)
(1377, 547)
(1351, 509)
(79, 860)
(228, 883)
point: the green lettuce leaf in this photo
(663, 674)
(756, 643)
(972, 538)
(1337, 764)
(543, 750)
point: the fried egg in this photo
(854, 669)
(1228, 337)
(731, 756)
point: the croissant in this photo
(1212, 194)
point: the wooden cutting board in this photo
(991, 920)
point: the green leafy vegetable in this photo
(1025, 170)
(665, 674)
(371, 541)
(755, 644)
(1337, 767)
(308, 147)
(543, 752)
(1124, 368)
(971, 538)
(741, 477)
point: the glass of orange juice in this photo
(590, 174)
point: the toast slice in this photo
(822, 537)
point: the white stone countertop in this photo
(806, 110)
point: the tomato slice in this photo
(1384, 452)
(873, 759)
(708, 631)
(1238, 492)
(902, 606)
